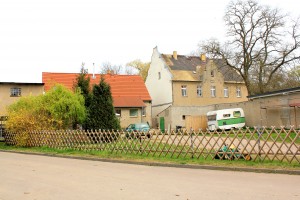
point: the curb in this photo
(158, 164)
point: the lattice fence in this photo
(247, 144)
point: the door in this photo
(162, 124)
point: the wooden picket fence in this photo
(257, 144)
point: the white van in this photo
(226, 119)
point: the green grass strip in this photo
(154, 158)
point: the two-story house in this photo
(12, 91)
(182, 86)
(131, 98)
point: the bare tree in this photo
(129, 70)
(282, 79)
(261, 41)
(140, 66)
(107, 67)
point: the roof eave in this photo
(131, 106)
(238, 82)
(275, 93)
(20, 83)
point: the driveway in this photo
(42, 178)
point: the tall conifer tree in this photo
(101, 112)
(83, 83)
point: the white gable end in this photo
(159, 83)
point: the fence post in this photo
(192, 146)
(259, 133)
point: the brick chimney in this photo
(175, 55)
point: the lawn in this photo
(153, 157)
(271, 135)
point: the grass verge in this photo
(154, 158)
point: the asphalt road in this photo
(40, 177)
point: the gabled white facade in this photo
(159, 83)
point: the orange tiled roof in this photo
(128, 102)
(121, 85)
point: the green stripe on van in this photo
(223, 122)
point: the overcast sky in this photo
(58, 35)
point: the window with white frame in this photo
(213, 91)
(15, 92)
(133, 112)
(118, 112)
(226, 93)
(238, 92)
(159, 75)
(184, 90)
(199, 91)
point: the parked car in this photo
(137, 130)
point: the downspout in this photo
(142, 114)
(295, 117)
(170, 110)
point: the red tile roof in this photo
(129, 87)
(128, 102)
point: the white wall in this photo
(160, 89)
(173, 115)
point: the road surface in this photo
(41, 178)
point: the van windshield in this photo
(212, 117)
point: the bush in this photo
(58, 109)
